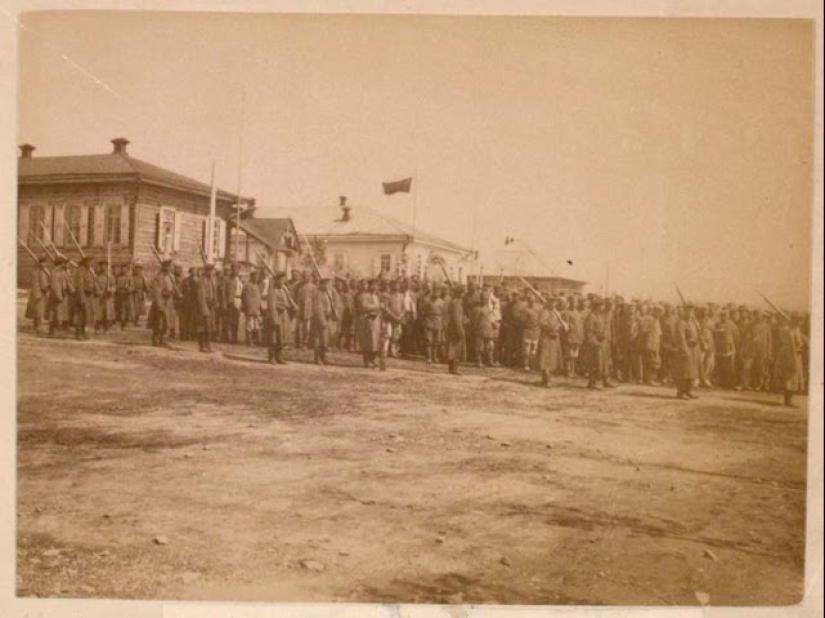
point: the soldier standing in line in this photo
(278, 306)
(84, 298)
(232, 295)
(629, 342)
(481, 331)
(572, 337)
(789, 368)
(762, 351)
(38, 294)
(445, 296)
(494, 306)
(369, 324)
(186, 305)
(181, 325)
(345, 335)
(530, 333)
(106, 298)
(432, 316)
(323, 314)
(552, 327)
(686, 369)
(251, 307)
(123, 296)
(652, 329)
(162, 312)
(594, 341)
(205, 315)
(305, 298)
(725, 345)
(221, 314)
(706, 355)
(56, 306)
(670, 325)
(140, 291)
(455, 331)
(744, 355)
(409, 319)
(393, 320)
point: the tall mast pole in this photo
(240, 168)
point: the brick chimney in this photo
(26, 151)
(347, 210)
(120, 144)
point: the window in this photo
(111, 224)
(386, 263)
(166, 231)
(37, 219)
(338, 262)
(72, 216)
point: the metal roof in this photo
(365, 223)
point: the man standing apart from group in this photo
(278, 306)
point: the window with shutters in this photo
(73, 214)
(37, 219)
(166, 231)
(111, 224)
(386, 263)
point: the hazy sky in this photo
(672, 150)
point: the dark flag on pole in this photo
(398, 186)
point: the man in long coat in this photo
(369, 324)
(594, 341)
(323, 315)
(140, 292)
(305, 298)
(105, 297)
(84, 297)
(552, 328)
(123, 296)
(38, 294)
(205, 309)
(56, 304)
(278, 305)
(251, 307)
(163, 291)
(455, 331)
(686, 366)
(572, 337)
(788, 369)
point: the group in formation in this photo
(606, 341)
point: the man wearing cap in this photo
(38, 293)
(789, 370)
(594, 337)
(531, 332)
(323, 314)
(651, 326)
(481, 330)
(232, 292)
(57, 294)
(123, 295)
(552, 328)
(105, 313)
(84, 297)
(686, 368)
(278, 305)
(187, 305)
(762, 351)
(162, 312)
(251, 307)
(744, 356)
(455, 331)
(432, 314)
(205, 309)
(305, 297)
(572, 337)
(725, 345)
(707, 348)
(140, 292)
(369, 324)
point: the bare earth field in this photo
(167, 474)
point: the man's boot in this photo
(324, 360)
(545, 379)
(788, 400)
(317, 357)
(271, 354)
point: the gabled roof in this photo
(114, 166)
(364, 222)
(273, 232)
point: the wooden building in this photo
(119, 203)
(276, 239)
(361, 242)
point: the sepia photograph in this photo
(409, 308)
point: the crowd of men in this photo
(606, 341)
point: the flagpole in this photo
(210, 226)
(415, 202)
(240, 167)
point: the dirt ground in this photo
(146, 473)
